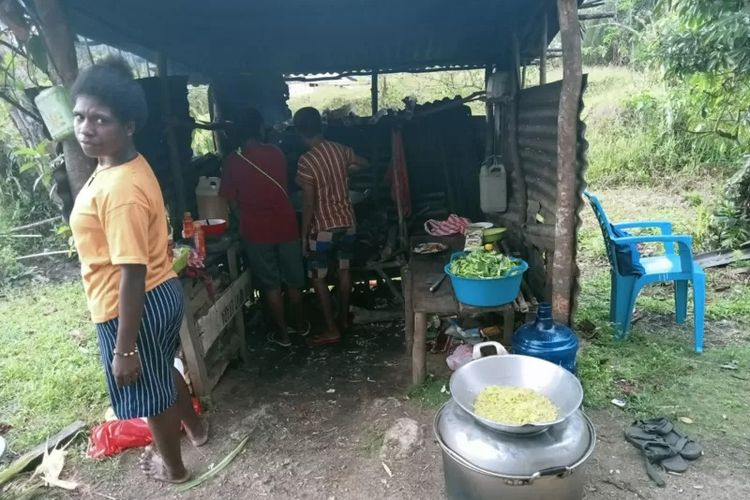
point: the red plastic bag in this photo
(111, 438)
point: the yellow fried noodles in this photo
(514, 405)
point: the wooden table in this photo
(418, 276)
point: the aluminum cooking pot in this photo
(548, 379)
(484, 464)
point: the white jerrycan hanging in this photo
(493, 186)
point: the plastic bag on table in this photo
(460, 356)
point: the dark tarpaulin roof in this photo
(315, 36)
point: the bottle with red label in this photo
(187, 225)
(199, 239)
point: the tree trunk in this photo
(31, 131)
(567, 125)
(60, 42)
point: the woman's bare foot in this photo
(200, 438)
(153, 466)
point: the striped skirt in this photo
(158, 338)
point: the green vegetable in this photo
(481, 264)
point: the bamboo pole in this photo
(567, 124)
(374, 93)
(543, 54)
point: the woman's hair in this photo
(111, 82)
(308, 123)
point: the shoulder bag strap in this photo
(256, 167)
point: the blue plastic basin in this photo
(487, 292)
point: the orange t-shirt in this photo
(119, 218)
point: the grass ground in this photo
(50, 372)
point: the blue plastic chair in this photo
(678, 267)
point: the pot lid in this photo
(561, 446)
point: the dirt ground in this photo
(316, 420)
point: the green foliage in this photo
(618, 40)
(203, 140)
(730, 223)
(641, 131)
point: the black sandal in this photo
(685, 446)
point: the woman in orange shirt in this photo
(120, 229)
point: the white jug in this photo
(493, 186)
(210, 204)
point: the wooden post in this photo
(406, 286)
(543, 54)
(59, 40)
(517, 60)
(489, 143)
(374, 93)
(518, 179)
(418, 350)
(174, 155)
(567, 125)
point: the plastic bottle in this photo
(547, 339)
(199, 239)
(187, 225)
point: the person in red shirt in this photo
(328, 225)
(254, 181)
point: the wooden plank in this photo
(239, 318)
(34, 456)
(193, 350)
(722, 257)
(418, 353)
(224, 311)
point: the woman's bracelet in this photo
(126, 354)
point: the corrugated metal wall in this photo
(534, 157)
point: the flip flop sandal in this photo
(320, 341)
(302, 333)
(661, 425)
(654, 448)
(685, 446)
(272, 339)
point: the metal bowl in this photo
(548, 379)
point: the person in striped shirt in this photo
(328, 224)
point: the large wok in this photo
(549, 379)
